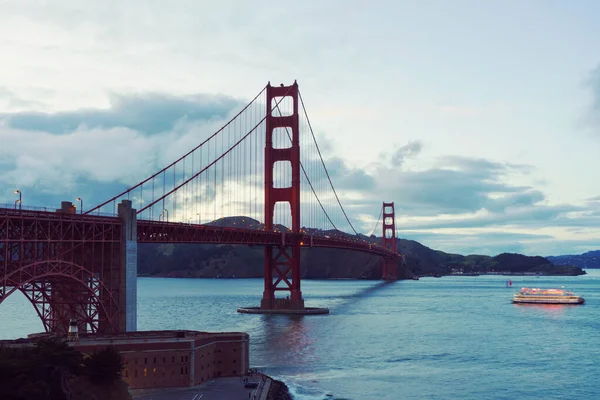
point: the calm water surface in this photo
(446, 338)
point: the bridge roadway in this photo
(35, 225)
(174, 232)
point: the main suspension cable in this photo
(323, 162)
(306, 175)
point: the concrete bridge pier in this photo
(128, 287)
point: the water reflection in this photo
(290, 336)
(553, 310)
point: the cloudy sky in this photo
(480, 120)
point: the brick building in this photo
(159, 359)
(156, 359)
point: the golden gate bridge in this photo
(248, 183)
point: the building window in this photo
(181, 370)
(173, 360)
(185, 358)
(234, 371)
(164, 371)
(173, 371)
(154, 360)
(145, 372)
(234, 361)
(154, 371)
(164, 360)
(181, 358)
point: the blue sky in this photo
(481, 120)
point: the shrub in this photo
(105, 366)
(37, 372)
(57, 352)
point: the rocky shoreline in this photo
(278, 391)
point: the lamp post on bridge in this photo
(162, 215)
(80, 200)
(20, 201)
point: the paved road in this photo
(218, 389)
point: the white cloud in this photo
(53, 163)
(370, 82)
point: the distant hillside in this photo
(229, 261)
(591, 259)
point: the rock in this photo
(278, 391)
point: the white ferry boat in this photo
(546, 296)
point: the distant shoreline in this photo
(371, 279)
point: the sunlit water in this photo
(446, 338)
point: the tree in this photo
(57, 352)
(105, 366)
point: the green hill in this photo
(236, 261)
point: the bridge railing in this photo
(25, 208)
(10, 209)
(183, 232)
(319, 238)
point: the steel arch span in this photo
(59, 291)
(67, 265)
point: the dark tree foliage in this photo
(58, 353)
(37, 372)
(105, 366)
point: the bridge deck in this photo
(169, 232)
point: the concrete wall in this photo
(128, 300)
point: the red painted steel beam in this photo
(390, 266)
(43, 252)
(174, 232)
(166, 232)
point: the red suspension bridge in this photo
(248, 183)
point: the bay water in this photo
(455, 337)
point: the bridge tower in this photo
(282, 260)
(390, 265)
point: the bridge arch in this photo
(60, 290)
